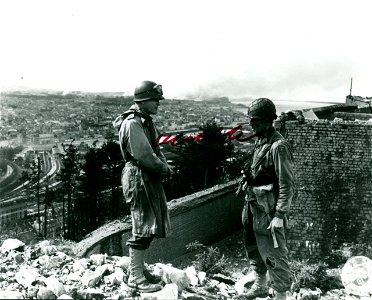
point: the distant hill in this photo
(21, 90)
(242, 99)
(27, 90)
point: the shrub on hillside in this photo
(312, 276)
(208, 259)
(339, 256)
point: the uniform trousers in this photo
(139, 243)
(260, 249)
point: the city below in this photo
(39, 123)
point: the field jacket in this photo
(145, 167)
(272, 174)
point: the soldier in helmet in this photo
(145, 168)
(269, 192)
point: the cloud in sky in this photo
(284, 49)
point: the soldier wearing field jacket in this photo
(145, 168)
(269, 190)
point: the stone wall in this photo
(207, 216)
(333, 166)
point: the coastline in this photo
(284, 106)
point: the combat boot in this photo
(151, 277)
(136, 279)
(258, 289)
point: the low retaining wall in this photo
(207, 216)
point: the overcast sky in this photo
(300, 50)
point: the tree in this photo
(33, 175)
(48, 199)
(69, 173)
(9, 152)
(215, 149)
(92, 185)
(200, 164)
(113, 165)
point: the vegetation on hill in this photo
(90, 191)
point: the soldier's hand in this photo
(171, 170)
(276, 223)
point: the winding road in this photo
(12, 187)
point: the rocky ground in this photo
(49, 271)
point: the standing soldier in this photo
(145, 168)
(269, 192)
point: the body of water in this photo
(283, 106)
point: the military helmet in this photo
(148, 90)
(262, 108)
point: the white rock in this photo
(202, 276)
(49, 250)
(63, 256)
(10, 274)
(32, 292)
(65, 297)
(91, 294)
(240, 284)
(75, 276)
(123, 262)
(192, 275)
(43, 260)
(27, 275)
(169, 292)
(55, 286)
(115, 278)
(53, 262)
(12, 244)
(45, 293)
(42, 244)
(10, 295)
(170, 274)
(191, 270)
(98, 259)
(222, 286)
(89, 279)
(101, 270)
(80, 265)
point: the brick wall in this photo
(333, 166)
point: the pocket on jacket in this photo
(131, 182)
(265, 196)
(261, 219)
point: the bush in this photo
(339, 256)
(208, 259)
(312, 276)
(361, 249)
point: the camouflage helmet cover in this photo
(262, 108)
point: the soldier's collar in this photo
(145, 118)
(266, 136)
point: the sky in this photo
(284, 50)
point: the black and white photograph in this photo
(186, 150)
